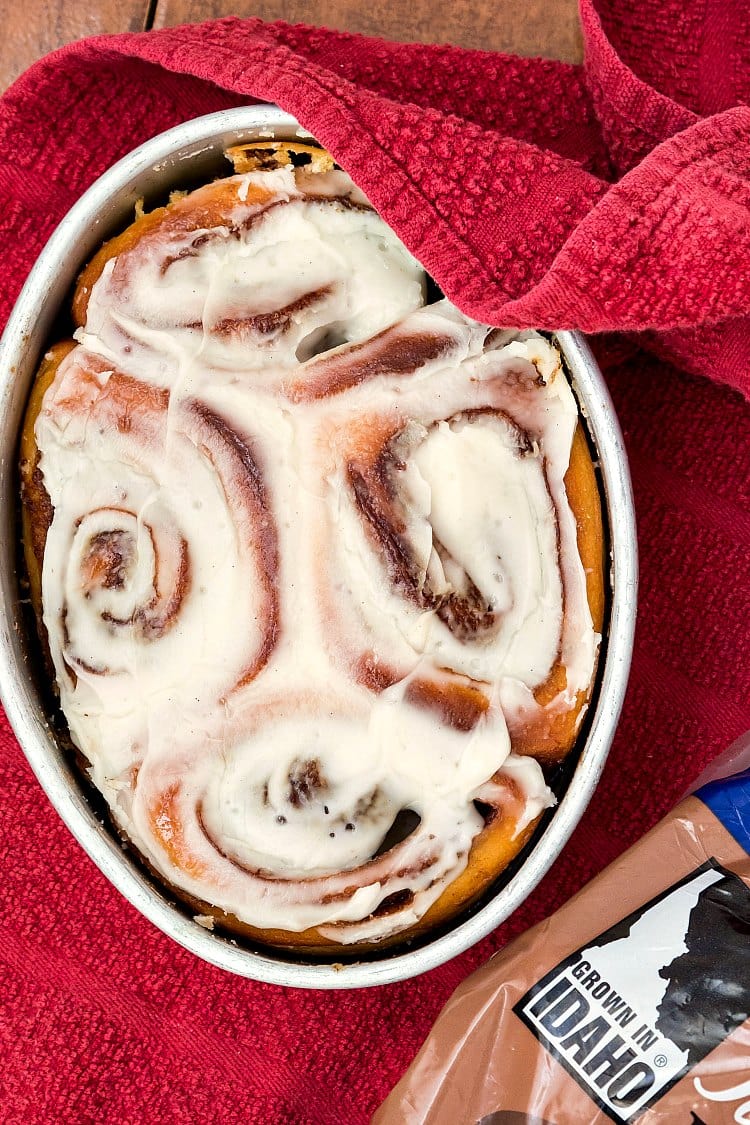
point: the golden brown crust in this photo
(203, 208)
(200, 208)
(548, 738)
(91, 272)
(260, 156)
(36, 509)
(493, 850)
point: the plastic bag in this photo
(631, 1003)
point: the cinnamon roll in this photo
(317, 564)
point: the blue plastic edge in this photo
(729, 801)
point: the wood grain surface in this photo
(530, 27)
(38, 26)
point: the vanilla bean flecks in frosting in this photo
(311, 556)
(290, 826)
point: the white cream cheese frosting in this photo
(296, 513)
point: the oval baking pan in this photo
(183, 157)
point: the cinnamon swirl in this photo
(317, 564)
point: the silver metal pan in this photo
(186, 155)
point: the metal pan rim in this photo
(155, 164)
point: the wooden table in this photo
(531, 27)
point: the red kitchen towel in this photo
(612, 198)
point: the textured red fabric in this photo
(609, 197)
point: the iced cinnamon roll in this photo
(317, 564)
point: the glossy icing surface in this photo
(311, 548)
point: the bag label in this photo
(631, 1012)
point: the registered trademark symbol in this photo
(660, 1060)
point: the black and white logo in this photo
(632, 1011)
